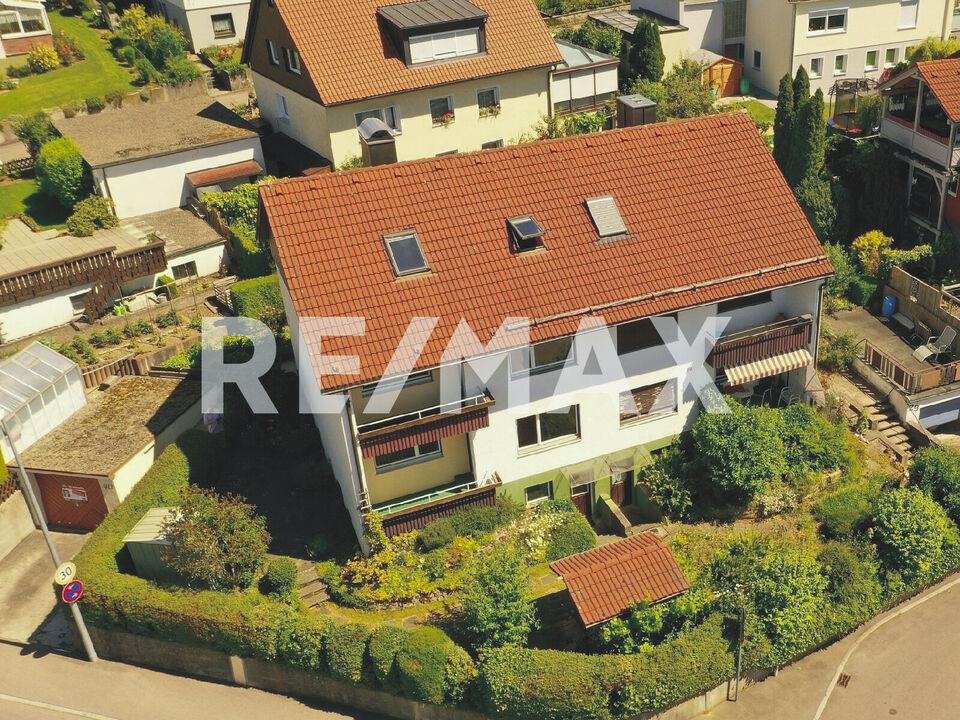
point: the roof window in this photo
(606, 216)
(435, 30)
(405, 252)
(525, 233)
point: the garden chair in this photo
(936, 345)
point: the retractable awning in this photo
(768, 367)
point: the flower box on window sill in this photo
(490, 111)
(443, 120)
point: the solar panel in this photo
(606, 216)
(406, 254)
(526, 231)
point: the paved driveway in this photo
(26, 597)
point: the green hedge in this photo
(259, 298)
(574, 536)
(250, 258)
(385, 643)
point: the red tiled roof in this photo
(943, 77)
(608, 580)
(348, 57)
(244, 169)
(708, 213)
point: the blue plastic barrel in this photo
(889, 305)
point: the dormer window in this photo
(525, 233)
(405, 253)
(428, 31)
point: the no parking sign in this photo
(72, 592)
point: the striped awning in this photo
(768, 367)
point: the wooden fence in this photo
(96, 376)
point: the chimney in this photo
(635, 110)
(377, 144)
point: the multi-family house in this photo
(436, 76)
(683, 220)
(207, 22)
(921, 116)
(833, 41)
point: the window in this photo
(562, 423)
(9, 23)
(840, 65)
(648, 401)
(293, 60)
(223, 25)
(890, 57)
(444, 45)
(184, 270)
(406, 255)
(447, 153)
(441, 110)
(78, 304)
(952, 187)
(734, 50)
(743, 302)
(827, 21)
(872, 60)
(606, 216)
(488, 100)
(272, 53)
(536, 494)
(21, 20)
(756, 59)
(415, 378)
(637, 335)
(542, 357)
(908, 13)
(417, 453)
(525, 233)
(816, 67)
(390, 116)
(493, 144)
(282, 107)
(734, 19)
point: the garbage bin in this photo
(744, 86)
(889, 307)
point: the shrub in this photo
(251, 258)
(179, 71)
(113, 336)
(594, 35)
(574, 536)
(302, 642)
(346, 651)
(436, 534)
(216, 541)
(869, 111)
(385, 644)
(90, 214)
(838, 352)
(740, 451)
(854, 590)
(869, 249)
(114, 98)
(42, 58)
(70, 110)
(847, 510)
(168, 319)
(812, 442)
(19, 71)
(910, 530)
(280, 579)
(862, 290)
(34, 131)
(936, 471)
(146, 72)
(431, 667)
(168, 285)
(61, 171)
(497, 607)
(667, 485)
(259, 298)
(469, 522)
(94, 104)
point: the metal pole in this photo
(54, 553)
(743, 621)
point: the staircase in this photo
(883, 419)
(310, 586)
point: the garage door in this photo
(70, 501)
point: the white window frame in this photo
(496, 100)
(843, 70)
(420, 377)
(77, 312)
(896, 57)
(44, 20)
(537, 501)
(813, 73)
(233, 26)
(383, 113)
(518, 371)
(867, 67)
(542, 444)
(419, 456)
(915, 4)
(447, 34)
(283, 108)
(274, 55)
(293, 61)
(826, 15)
(660, 413)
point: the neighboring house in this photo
(207, 22)
(442, 75)
(689, 218)
(23, 24)
(48, 279)
(921, 116)
(585, 80)
(152, 157)
(675, 38)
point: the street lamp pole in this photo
(54, 553)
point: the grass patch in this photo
(760, 113)
(97, 74)
(24, 197)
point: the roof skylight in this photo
(606, 216)
(405, 252)
(525, 233)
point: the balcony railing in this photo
(396, 422)
(910, 381)
(762, 342)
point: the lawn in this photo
(23, 196)
(760, 113)
(98, 74)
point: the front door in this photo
(582, 497)
(621, 488)
(70, 501)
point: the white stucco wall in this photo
(208, 260)
(667, 8)
(194, 18)
(705, 23)
(153, 184)
(39, 314)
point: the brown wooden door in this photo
(582, 497)
(70, 501)
(621, 488)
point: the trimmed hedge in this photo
(385, 644)
(249, 257)
(469, 522)
(346, 650)
(574, 536)
(259, 298)
(280, 579)
(433, 668)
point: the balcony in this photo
(764, 351)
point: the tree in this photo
(682, 93)
(783, 123)
(594, 35)
(801, 88)
(936, 471)
(61, 171)
(497, 606)
(34, 131)
(645, 55)
(910, 530)
(813, 194)
(934, 49)
(869, 249)
(808, 142)
(843, 271)
(216, 541)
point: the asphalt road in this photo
(39, 686)
(903, 665)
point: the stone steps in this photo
(309, 585)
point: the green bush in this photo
(936, 471)
(280, 579)
(42, 58)
(497, 607)
(385, 644)
(862, 290)
(168, 285)
(259, 298)
(168, 319)
(574, 536)
(838, 352)
(667, 485)
(179, 71)
(90, 214)
(436, 534)
(594, 35)
(34, 131)
(812, 442)
(346, 651)
(61, 171)
(146, 72)
(250, 257)
(910, 531)
(302, 642)
(432, 668)
(853, 586)
(237, 206)
(847, 510)
(94, 104)
(469, 522)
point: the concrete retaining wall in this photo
(15, 522)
